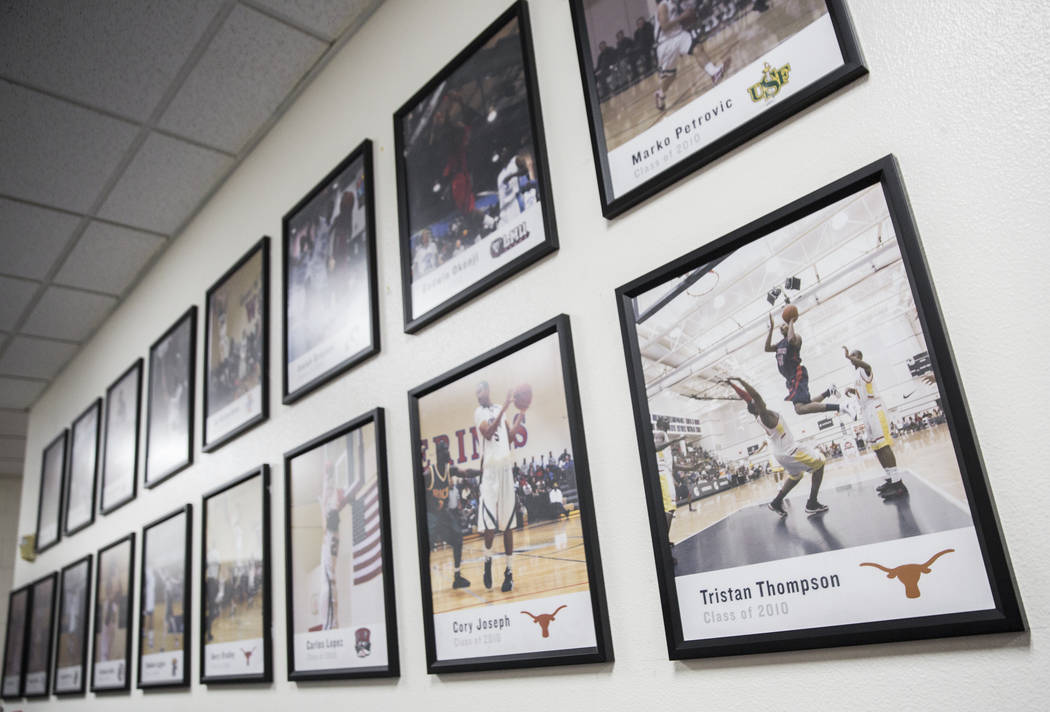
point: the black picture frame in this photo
(60, 442)
(190, 316)
(210, 444)
(414, 322)
(1008, 614)
(93, 410)
(602, 651)
(374, 417)
(262, 472)
(46, 640)
(135, 370)
(84, 616)
(362, 153)
(183, 680)
(6, 692)
(852, 68)
(124, 673)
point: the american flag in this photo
(364, 512)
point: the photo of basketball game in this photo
(503, 510)
(18, 603)
(171, 363)
(162, 611)
(798, 429)
(234, 597)
(83, 468)
(113, 613)
(73, 615)
(471, 170)
(38, 656)
(335, 556)
(121, 438)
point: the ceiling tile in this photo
(12, 448)
(67, 314)
(249, 68)
(107, 258)
(35, 358)
(56, 153)
(13, 423)
(15, 295)
(18, 392)
(328, 18)
(117, 55)
(163, 184)
(32, 238)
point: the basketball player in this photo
(497, 502)
(673, 41)
(441, 523)
(665, 466)
(795, 459)
(876, 423)
(796, 376)
(149, 600)
(517, 187)
(332, 501)
(425, 257)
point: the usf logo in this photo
(770, 85)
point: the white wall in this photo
(954, 92)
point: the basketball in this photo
(789, 314)
(523, 396)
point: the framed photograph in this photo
(812, 475)
(236, 349)
(169, 409)
(73, 614)
(52, 486)
(41, 628)
(120, 459)
(235, 643)
(672, 85)
(110, 666)
(473, 190)
(339, 571)
(85, 442)
(164, 601)
(508, 545)
(331, 294)
(15, 643)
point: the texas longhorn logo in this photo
(545, 619)
(773, 80)
(908, 574)
(248, 656)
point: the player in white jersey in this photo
(795, 459)
(876, 423)
(149, 602)
(516, 184)
(673, 40)
(425, 256)
(332, 501)
(497, 501)
(662, 442)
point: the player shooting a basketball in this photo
(498, 502)
(877, 425)
(673, 40)
(441, 522)
(332, 501)
(789, 363)
(795, 459)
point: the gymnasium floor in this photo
(162, 640)
(548, 558)
(634, 110)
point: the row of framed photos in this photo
(475, 207)
(897, 539)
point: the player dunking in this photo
(332, 501)
(441, 523)
(498, 502)
(876, 423)
(673, 41)
(795, 459)
(796, 376)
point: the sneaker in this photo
(885, 485)
(895, 489)
(815, 507)
(833, 390)
(508, 581)
(721, 71)
(487, 578)
(777, 507)
(848, 408)
(660, 103)
(459, 581)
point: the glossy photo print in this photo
(510, 563)
(84, 458)
(120, 458)
(52, 484)
(811, 473)
(164, 598)
(38, 651)
(169, 410)
(113, 610)
(15, 643)
(73, 613)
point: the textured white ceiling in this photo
(117, 121)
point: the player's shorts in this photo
(443, 527)
(329, 553)
(667, 489)
(798, 387)
(876, 423)
(496, 504)
(799, 461)
(670, 49)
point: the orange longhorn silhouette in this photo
(908, 574)
(544, 619)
